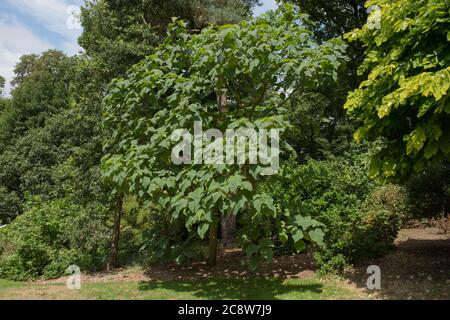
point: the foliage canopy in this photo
(406, 98)
(256, 65)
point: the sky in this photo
(34, 26)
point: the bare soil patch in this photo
(419, 268)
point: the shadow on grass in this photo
(250, 289)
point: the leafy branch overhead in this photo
(406, 97)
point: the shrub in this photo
(381, 217)
(169, 240)
(50, 236)
(10, 206)
(136, 223)
(429, 192)
(361, 217)
(442, 223)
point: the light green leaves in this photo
(297, 235)
(240, 202)
(408, 85)
(415, 140)
(202, 230)
(316, 236)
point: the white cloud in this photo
(53, 14)
(15, 41)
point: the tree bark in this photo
(213, 243)
(113, 262)
(228, 230)
(228, 222)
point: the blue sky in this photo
(33, 26)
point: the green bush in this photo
(50, 236)
(384, 212)
(169, 240)
(429, 192)
(361, 217)
(10, 206)
(136, 223)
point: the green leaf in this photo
(251, 249)
(254, 263)
(299, 245)
(317, 236)
(304, 222)
(445, 144)
(202, 230)
(240, 202)
(431, 149)
(257, 204)
(297, 235)
(179, 260)
(283, 236)
(247, 186)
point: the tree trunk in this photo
(228, 222)
(228, 230)
(113, 262)
(213, 243)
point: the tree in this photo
(42, 89)
(118, 33)
(50, 136)
(322, 128)
(24, 68)
(335, 17)
(405, 99)
(3, 102)
(256, 66)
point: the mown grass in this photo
(207, 289)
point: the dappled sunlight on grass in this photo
(205, 289)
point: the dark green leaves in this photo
(256, 65)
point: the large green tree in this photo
(333, 17)
(322, 127)
(118, 33)
(41, 89)
(50, 142)
(405, 99)
(248, 70)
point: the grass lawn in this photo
(258, 288)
